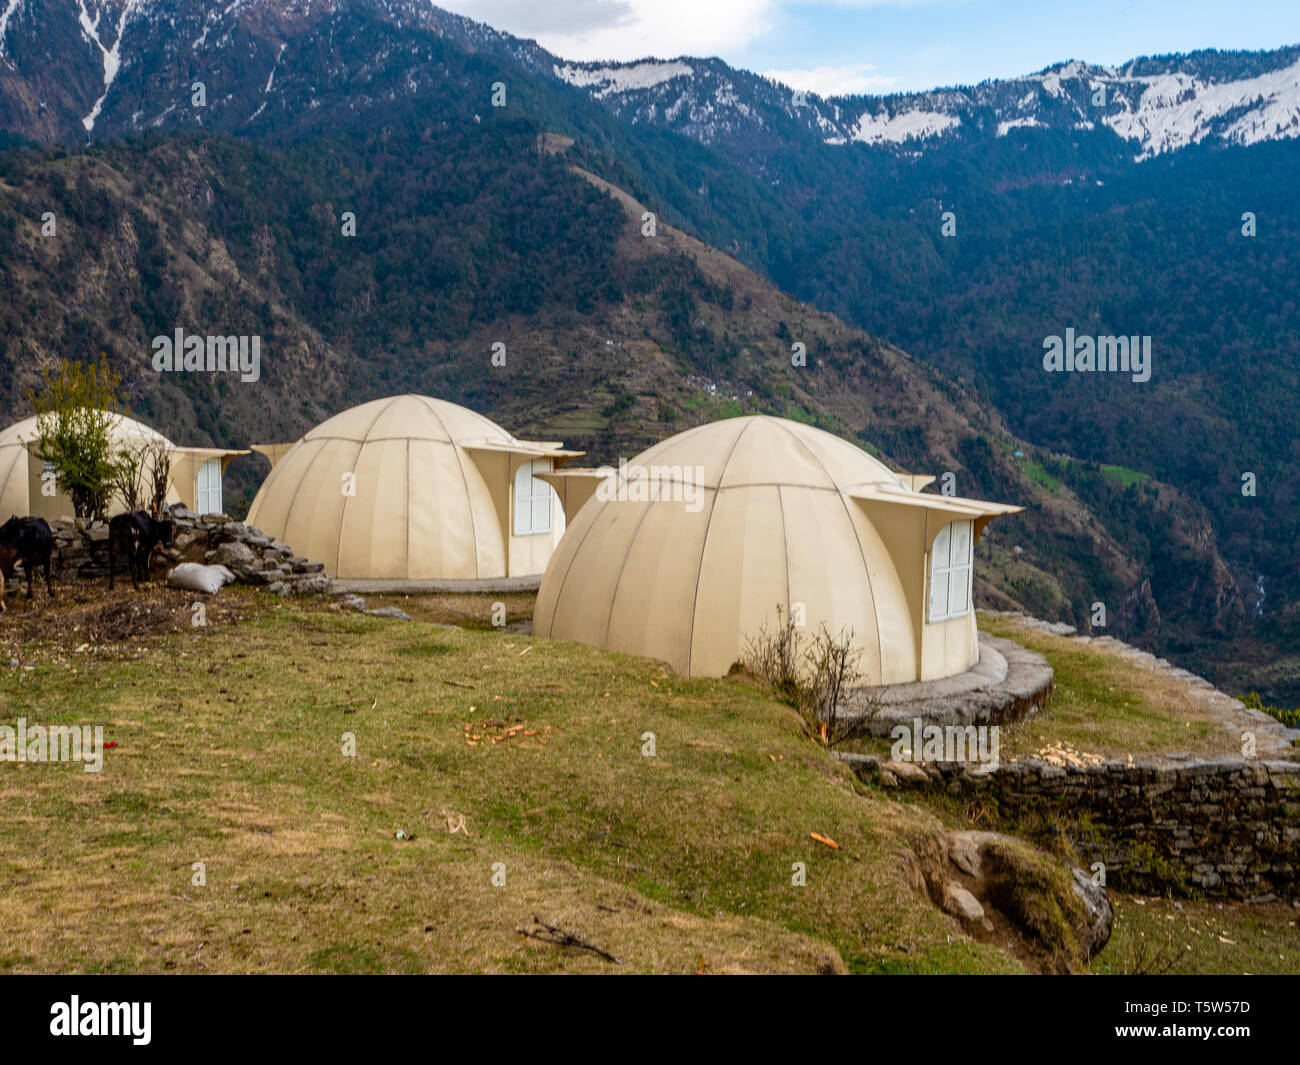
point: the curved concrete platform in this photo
(1007, 683)
(400, 586)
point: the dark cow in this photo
(29, 541)
(135, 535)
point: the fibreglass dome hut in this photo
(196, 472)
(413, 488)
(785, 515)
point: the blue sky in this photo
(890, 45)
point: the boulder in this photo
(235, 555)
(1064, 916)
(911, 772)
(961, 903)
(965, 849)
(316, 584)
(261, 576)
(1101, 916)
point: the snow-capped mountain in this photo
(72, 69)
(95, 68)
(1158, 105)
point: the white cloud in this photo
(528, 19)
(627, 29)
(865, 3)
(851, 79)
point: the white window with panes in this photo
(951, 561)
(532, 499)
(207, 488)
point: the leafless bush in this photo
(816, 682)
(128, 477)
(160, 475)
(833, 663)
(142, 475)
(774, 656)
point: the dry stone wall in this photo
(81, 552)
(1224, 827)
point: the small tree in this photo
(76, 411)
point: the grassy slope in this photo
(230, 753)
(1103, 705)
(1155, 935)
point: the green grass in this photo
(230, 754)
(1035, 472)
(1124, 476)
(1157, 935)
(1102, 704)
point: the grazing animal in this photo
(136, 535)
(29, 541)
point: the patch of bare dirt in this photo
(86, 613)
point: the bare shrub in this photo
(159, 458)
(128, 478)
(833, 663)
(816, 682)
(774, 656)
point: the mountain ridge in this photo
(1161, 102)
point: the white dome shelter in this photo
(196, 472)
(413, 488)
(787, 516)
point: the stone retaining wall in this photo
(1226, 827)
(81, 551)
